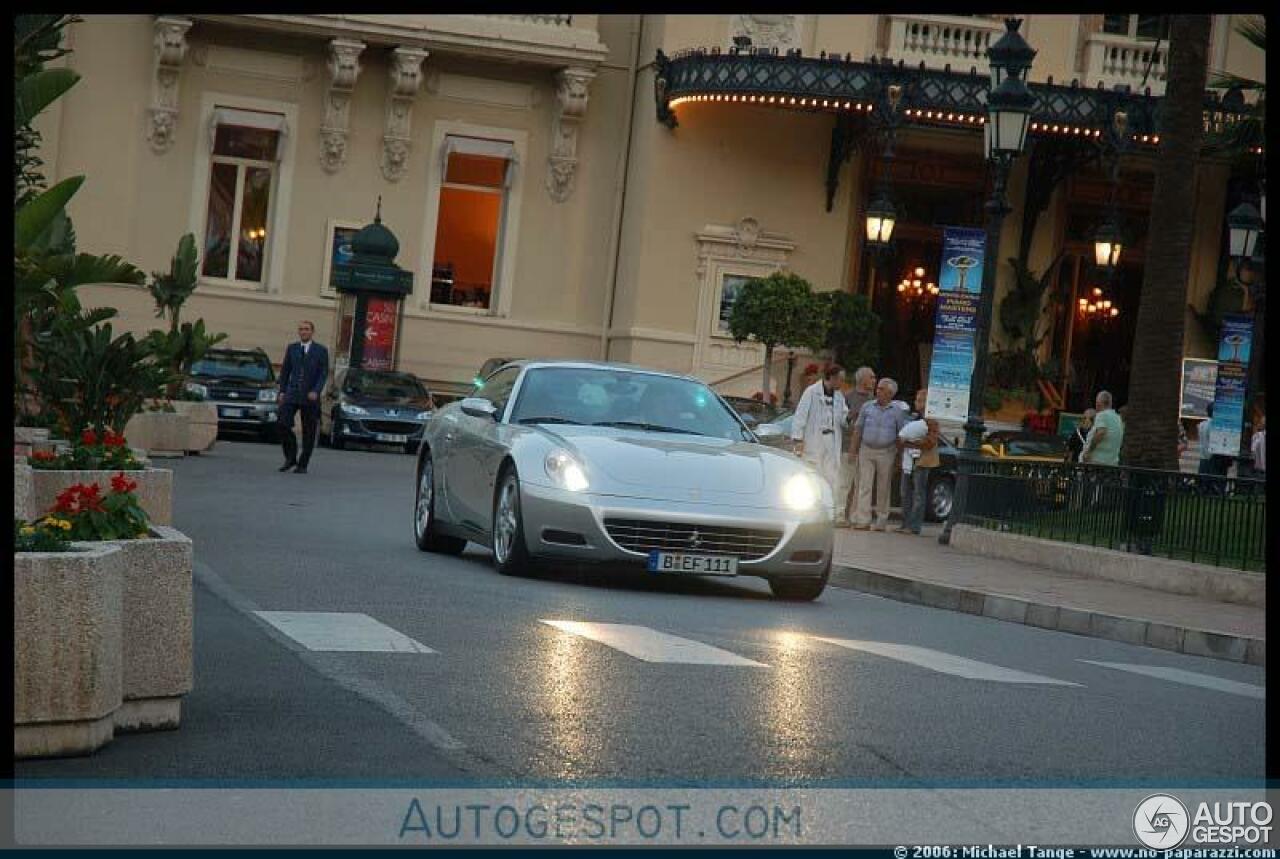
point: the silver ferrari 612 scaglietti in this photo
(613, 463)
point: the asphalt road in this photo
(504, 695)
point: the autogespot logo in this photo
(1160, 822)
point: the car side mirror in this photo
(768, 431)
(479, 407)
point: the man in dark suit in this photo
(306, 364)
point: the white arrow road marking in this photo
(650, 645)
(1190, 678)
(945, 663)
(341, 631)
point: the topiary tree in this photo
(854, 333)
(779, 310)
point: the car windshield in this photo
(252, 366)
(383, 386)
(625, 399)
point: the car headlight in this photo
(801, 492)
(350, 409)
(198, 389)
(266, 395)
(423, 416)
(565, 471)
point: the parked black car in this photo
(242, 384)
(375, 407)
(942, 480)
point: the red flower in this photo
(120, 483)
(44, 456)
(113, 439)
(88, 438)
(79, 498)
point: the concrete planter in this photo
(30, 435)
(67, 632)
(21, 488)
(157, 630)
(202, 424)
(155, 490)
(161, 434)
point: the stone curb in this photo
(1145, 633)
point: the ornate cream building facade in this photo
(542, 206)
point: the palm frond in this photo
(1254, 28)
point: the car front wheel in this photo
(798, 589)
(424, 516)
(510, 555)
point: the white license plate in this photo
(231, 413)
(392, 439)
(697, 565)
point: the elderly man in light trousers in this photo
(875, 445)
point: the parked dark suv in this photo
(242, 385)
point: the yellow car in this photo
(1025, 446)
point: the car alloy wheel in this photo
(424, 532)
(510, 556)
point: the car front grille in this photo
(643, 535)
(246, 395)
(392, 427)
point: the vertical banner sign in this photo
(1229, 390)
(954, 327)
(380, 333)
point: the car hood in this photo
(643, 464)
(231, 382)
(377, 404)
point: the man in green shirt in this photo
(1102, 447)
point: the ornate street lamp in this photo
(881, 216)
(1010, 53)
(1009, 107)
(1107, 245)
(1245, 225)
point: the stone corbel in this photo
(344, 68)
(397, 139)
(571, 98)
(170, 45)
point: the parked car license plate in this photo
(392, 439)
(698, 565)
(230, 413)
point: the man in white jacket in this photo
(818, 426)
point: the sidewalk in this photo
(919, 570)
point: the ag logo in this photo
(1161, 822)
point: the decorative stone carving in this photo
(344, 68)
(768, 31)
(170, 45)
(571, 97)
(397, 139)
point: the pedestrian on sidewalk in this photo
(818, 426)
(875, 445)
(1102, 444)
(864, 388)
(919, 442)
(1075, 444)
(306, 365)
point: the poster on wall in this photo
(954, 334)
(338, 251)
(380, 333)
(1199, 379)
(1229, 388)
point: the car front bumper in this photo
(374, 430)
(552, 516)
(245, 414)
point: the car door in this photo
(471, 465)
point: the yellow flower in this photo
(27, 530)
(64, 524)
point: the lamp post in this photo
(1247, 246)
(881, 214)
(1005, 136)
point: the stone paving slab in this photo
(919, 570)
